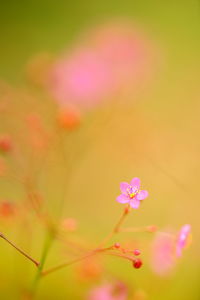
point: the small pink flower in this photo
(182, 239)
(131, 193)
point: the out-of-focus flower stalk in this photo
(46, 248)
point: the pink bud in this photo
(136, 252)
(117, 245)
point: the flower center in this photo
(132, 195)
(132, 192)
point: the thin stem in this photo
(121, 220)
(133, 229)
(121, 255)
(151, 229)
(67, 264)
(61, 266)
(116, 228)
(95, 251)
(20, 250)
(32, 197)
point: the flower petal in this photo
(142, 195)
(182, 239)
(135, 182)
(135, 203)
(179, 250)
(163, 259)
(186, 229)
(122, 198)
(123, 187)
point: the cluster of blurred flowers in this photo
(111, 60)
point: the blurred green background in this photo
(154, 137)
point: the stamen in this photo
(132, 192)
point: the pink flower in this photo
(113, 57)
(82, 78)
(109, 291)
(131, 193)
(182, 239)
(166, 249)
(163, 258)
(126, 49)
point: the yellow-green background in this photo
(155, 138)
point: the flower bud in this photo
(5, 144)
(137, 263)
(136, 252)
(117, 245)
(69, 118)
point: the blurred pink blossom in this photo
(82, 78)
(112, 57)
(163, 254)
(109, 291)
(166, 249)
(182, 239)
(126, 49)
(131, 193)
